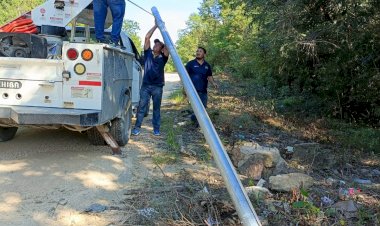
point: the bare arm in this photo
(212, 81)
(148, 36)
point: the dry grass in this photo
(184, 203)
(241, 114)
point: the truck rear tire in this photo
(95, 137)
(7, 133)
(121, 127)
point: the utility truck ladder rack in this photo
(60, 13)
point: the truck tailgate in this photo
(31, 82)
(31, 69)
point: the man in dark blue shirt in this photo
(153, 82)
(200, 73)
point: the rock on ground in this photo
(287, 182)
(313, 155)
(271, 156)
(253, 167)
(258, 192)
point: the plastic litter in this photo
(96, 208)
(330, 181)
(345, 194)
(376, 172)
(261, 183)
(326, 201)
(362, 181)
(147, 212)
(289, 149)
(353, 191)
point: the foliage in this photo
(329, 50)
(305, 204)
(132, 28)
(178, 97)
(361, 138)
(12, 9)
(169, 67)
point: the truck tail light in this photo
(72, 54)
(87, 55)
(79, 68)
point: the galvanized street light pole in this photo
(235, 188)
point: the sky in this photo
(174, 13)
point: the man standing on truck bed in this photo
(153, 81)
(117, 8)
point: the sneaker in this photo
(135, 131)
(156, 132)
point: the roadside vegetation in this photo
(317, 58)
(339, 152)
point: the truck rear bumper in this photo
(21, 115)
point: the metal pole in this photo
(238, 195)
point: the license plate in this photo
(6, 84)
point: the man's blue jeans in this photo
(117, 8)
(204, 98)
(146, 92)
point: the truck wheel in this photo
(121, 128)
(95, 137)
(7, 133)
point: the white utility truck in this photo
(53, 75)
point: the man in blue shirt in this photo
(153, 82)
(200, 73)
(117, 8)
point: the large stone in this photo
(271, 156)
(348, 208)
(313, 155)
(287, 182)
(282, 167)
(253, 167)
(258, 192)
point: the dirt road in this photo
(54, 177)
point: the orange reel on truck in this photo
(20, 25)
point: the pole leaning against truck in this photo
(55, 76)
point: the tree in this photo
(132, 28)
(328, 51)
(11, 9)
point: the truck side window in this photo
(137, 54)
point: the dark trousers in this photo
(204, 98)
(147, 92)
(117, 8)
